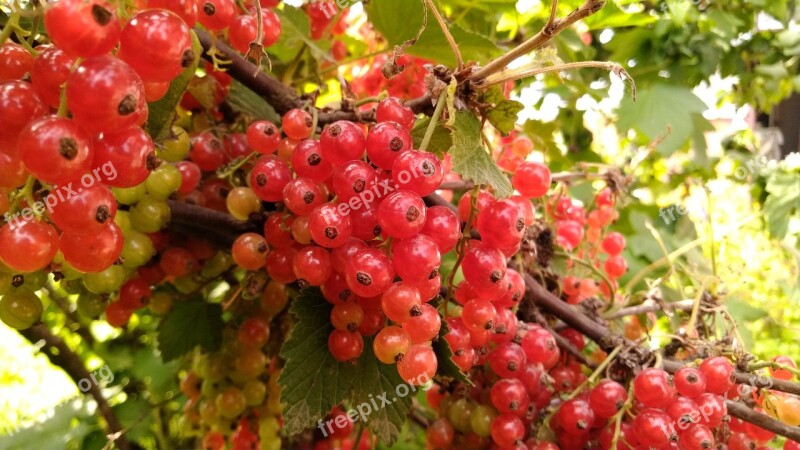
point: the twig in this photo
(62, 356)
(447, 35)
(683, 305)
(764, 421)
(280, 96)
(525, 72)
(550, 30)
(72, 320)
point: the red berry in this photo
(345, 345)
(402, 214)
(82, 29)
(719, 373)
(392, 110)
(117, 99)
(385, 142)
(532, 179)
(507, 430)
(341, 142)
(509, 396)
(654, 428)
(27, 245)
(652, 388)
(607, 398)
(690, 382)
(156, 43)
(575, 416)
(55, 150)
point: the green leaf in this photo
(503, 114)
(660, 110)
(444, 355)
(150, 370)
(400, 20)
(376, 378)
(135, 416)
(743, 312)
(243, 100)
(470, 158)
(312, 381)
(611, 16)
(190, 323)
(296, 34)
(783, 199)
(441, 141)
(162, 111)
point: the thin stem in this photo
(597, 372)
(696, 306)
(533, 70)
(446, 31)
(594, 270)
(365, 101)
(550, 30)
(461, 248)
(617, 419)
(752, 367)
(437, 113)
(11, 24)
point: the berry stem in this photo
(619, 415)
(437, 113)
(11, 25)
(752, 367)
(594, 270)
(461, 247)
(597, 372)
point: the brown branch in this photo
(741, 411)
(280, 96)
(62, 356)
(215, 227)
(550, 30)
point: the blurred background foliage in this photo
(705, 70)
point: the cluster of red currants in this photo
(525, 371)
(342, 220)
(94, 143)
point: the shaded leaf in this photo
(243, 100)
(189, 324)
